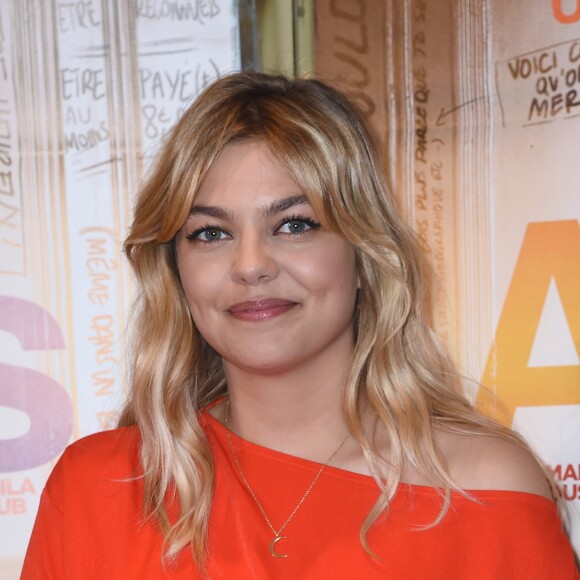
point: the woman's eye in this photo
(207, 235)
(297, 225)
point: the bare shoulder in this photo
(480, 462)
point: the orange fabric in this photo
(90, 523)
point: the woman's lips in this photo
(258, 310)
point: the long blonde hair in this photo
(398, 365)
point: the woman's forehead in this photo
(247, 172)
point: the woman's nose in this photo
(254, 261)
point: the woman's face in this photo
(268, 287)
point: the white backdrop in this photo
(87, 90)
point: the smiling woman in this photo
(258, 260)
(291, 413)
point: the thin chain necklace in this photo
(277, 533)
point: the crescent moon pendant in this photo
(273, 547)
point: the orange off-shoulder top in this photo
(90, 523)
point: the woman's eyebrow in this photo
(285, 203)
(211, 211)
(274, 208)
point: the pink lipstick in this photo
(258, 310)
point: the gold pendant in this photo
(273, 550)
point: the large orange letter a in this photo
(550, 250)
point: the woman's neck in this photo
(297, 412)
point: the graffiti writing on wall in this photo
(173, 67)
(540, 86)
(12, 258)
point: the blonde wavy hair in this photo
(399, 369)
